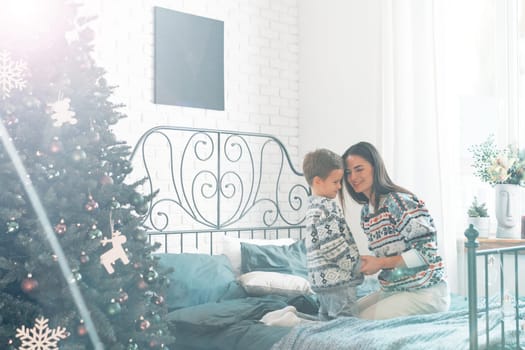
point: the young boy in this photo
(332, 254)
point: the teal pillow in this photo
(216, 316)
(290, 259)
(198, 279)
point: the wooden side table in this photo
(495, 243)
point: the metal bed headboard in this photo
(200, 183)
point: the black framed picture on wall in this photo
(189, 60)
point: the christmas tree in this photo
(56, 114)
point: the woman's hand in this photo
(371, 264)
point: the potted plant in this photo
(479, 217)
(504, 169)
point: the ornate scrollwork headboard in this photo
(217, 182)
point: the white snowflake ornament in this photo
(61, 113)
(12, 74)
(40, 337)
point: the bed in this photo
(228, 207)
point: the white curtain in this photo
(420, 138)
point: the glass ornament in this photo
(29, 284)
(117, 225)
(141, 236)
(95, 233)
(61, 227)
(141, 284)
(56, 145)
(78, 154)
(114, 203)
(158, 299)
(81, 329)
(142, 209)
(93, 135)
(132, 345)
(114, 307)
(152, 275)
(137, 199)
(91, 204)
(144, 324)
(77, 276)
(84, 258)
(12, 226)
(11, 120)
(106, 180)
(122, 297)
(155, 317)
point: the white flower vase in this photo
(508, 211)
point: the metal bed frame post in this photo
(504, 323)
(472, 244)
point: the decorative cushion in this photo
(289, 259)
(258, 283)
(231, 247)
(216, 316)
(199, 279)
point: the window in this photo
(490, 83)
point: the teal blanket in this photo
(448, 330)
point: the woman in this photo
(402, 236)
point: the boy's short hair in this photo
(320, 162)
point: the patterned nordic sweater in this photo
(331, 251)
(403, 226)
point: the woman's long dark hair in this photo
(382, 184)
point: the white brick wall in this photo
(261, 77)
(261, 65)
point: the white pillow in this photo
(231, 247)
(257, 283)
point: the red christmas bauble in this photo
(81, 330)
(122, 297)
(91, 205)
(61, 227)
(55, 146)
(29, 284)
(84, 258)
(141, 284)
(106, 180)
(11, 120)
(158, 300)
(144, 324)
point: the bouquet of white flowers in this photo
(498, 166)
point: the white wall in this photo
(261, 55)
(333, 102)
(261, 65)
(306, 71)
(339, 84)
(340, 75)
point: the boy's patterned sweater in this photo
(332, 254)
